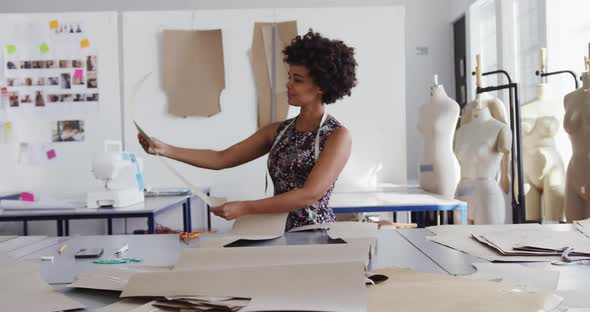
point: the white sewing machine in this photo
(121, 173)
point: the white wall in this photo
(428, 24)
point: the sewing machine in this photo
(121, 174)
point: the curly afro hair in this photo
(331, 63)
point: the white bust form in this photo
(544, 172)
(482, 145)
(577, 125)
(439, 167)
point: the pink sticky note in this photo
(78, 73)
(51, 154)
(28, 197)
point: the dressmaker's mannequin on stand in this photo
(577, 125)
(544, 172)
(482, 145)
(437, 120)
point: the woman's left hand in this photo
(230, 210)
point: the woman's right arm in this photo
(247, 150)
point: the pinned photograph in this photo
(53, 98)
(92, 81)
(50, 64)
(79, 98)
(65, 64)
(79, 77)
(38, 64)
(10, 65)
(92, 97)
(91, 63)
(28, 82)
(26, 98)
(65, 81)
(39, 99)
(26, 65)
(53, 81)
(41, 81)
(11, 82)
(66, 98)
(77, 63)
(13, 99)
(68, 131)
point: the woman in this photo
(321, 71)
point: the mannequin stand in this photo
(518, 203)
(543, 75)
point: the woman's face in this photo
(301, 90)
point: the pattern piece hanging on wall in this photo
(262, 64)
(193, 71)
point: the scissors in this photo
(188, 236)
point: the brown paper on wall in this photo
(261, 59)
(405, 290)
(193, 73)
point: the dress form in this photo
(577, 125)
(482, 144)
(544, 172)
(439, 167)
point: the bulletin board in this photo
(60, 99)
(375, 113)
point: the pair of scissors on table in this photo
(188, 236)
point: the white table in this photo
(151, 207)
(392, 198)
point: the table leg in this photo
(184, 217)
(67, 227)
(208, 216)
(463, 215)
(110, 226)
(189, 216)
(60, 228)
(151, 224)
(25, 228)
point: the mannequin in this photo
(482, 145)
(437, 120)
(544, 172)
(577, 125)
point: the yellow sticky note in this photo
(54, 24)
(8, 132)
(84, 43)
(11, 48)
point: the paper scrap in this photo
(44, 48)
(450, 293)
(324, 287)
(53, 24)
(7, 132)
(84, 43)
(28, 197)
(11, 49)
(219, 258)
(262, 64)
(78, 74)
(526, 278)
(51, 154)
(193, 71)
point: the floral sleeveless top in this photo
(289, 163)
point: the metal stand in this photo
(543, 75)
(518, 203)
